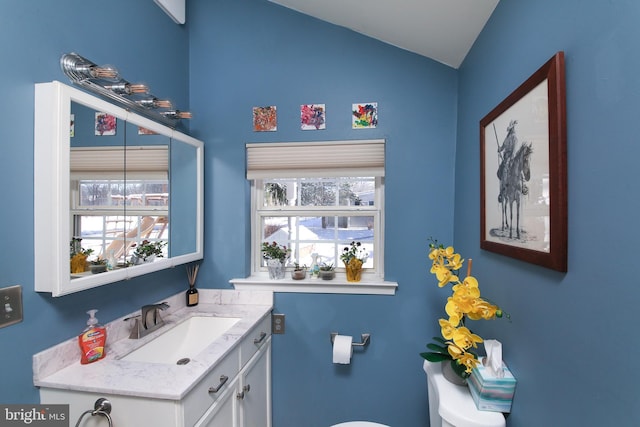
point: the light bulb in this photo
(104, 72)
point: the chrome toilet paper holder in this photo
(365, 340)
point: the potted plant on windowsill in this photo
(78, 256)
(327, 271)
(353, 257)
(98, 265)
(147, 251)
(298, 272)
(276, 257)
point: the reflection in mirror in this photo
(96, 186)
(103, 186)
(119, 193)
(184, 175)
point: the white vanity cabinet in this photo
(247, 401)
(236, 392)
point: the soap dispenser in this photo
(92, 340)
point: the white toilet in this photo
(359, 424)
(452, 405)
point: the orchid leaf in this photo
(440, 340)
(437, 348)
(435, 357)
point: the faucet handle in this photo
(154, 311)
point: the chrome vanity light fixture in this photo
(106, 81)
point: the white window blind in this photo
(112, 159)
(311, 159)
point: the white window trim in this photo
(372, 283)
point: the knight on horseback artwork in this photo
(513, 172)
(523, 171)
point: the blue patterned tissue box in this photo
(491, 393)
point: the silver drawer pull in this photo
(263, 335)
(244, 391)
(223, 381)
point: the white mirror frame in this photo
(51, 190)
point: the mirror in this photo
(120, 180)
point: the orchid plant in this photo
(457, 343)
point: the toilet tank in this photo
(452, 405)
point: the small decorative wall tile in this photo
(312, 117)
(105, 124)
(265, 119)
(364, 115)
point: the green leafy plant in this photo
(327, 267)
(354, 251)
(146, 249)
(75, 248)
(275, 251)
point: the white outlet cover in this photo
(174, 8)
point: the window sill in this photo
(316, 286)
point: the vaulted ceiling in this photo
(443, 30)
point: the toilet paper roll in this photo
(342, 349)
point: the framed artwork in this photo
(265, 119)
(523, 171)
(364, 116)
(313, 117)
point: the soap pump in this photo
(92, 340)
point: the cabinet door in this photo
(224, 412)
(255, 404)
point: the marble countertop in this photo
(59, 366)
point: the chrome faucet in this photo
(148, 320)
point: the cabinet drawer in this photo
(199, 399)
(255, 340)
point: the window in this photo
(318, 197)
(110, 216)
(110, 213)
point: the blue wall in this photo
(572, 342)
(247, 53)
(146, 46)
(233, 55)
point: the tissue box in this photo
(491, 393)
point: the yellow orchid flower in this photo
(445, 276)
(468, 360)
(454, 351)
(464, 338)
(470, 282)
(455, 262)
(464, 302)
(451, 308)
(447, 329)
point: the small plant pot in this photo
(100, 268)
(276, 269)
(298, 274)
(327, 275)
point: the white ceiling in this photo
(443, 30)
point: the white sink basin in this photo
(183, 341)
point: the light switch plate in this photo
(10, 305)
(277, 323)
